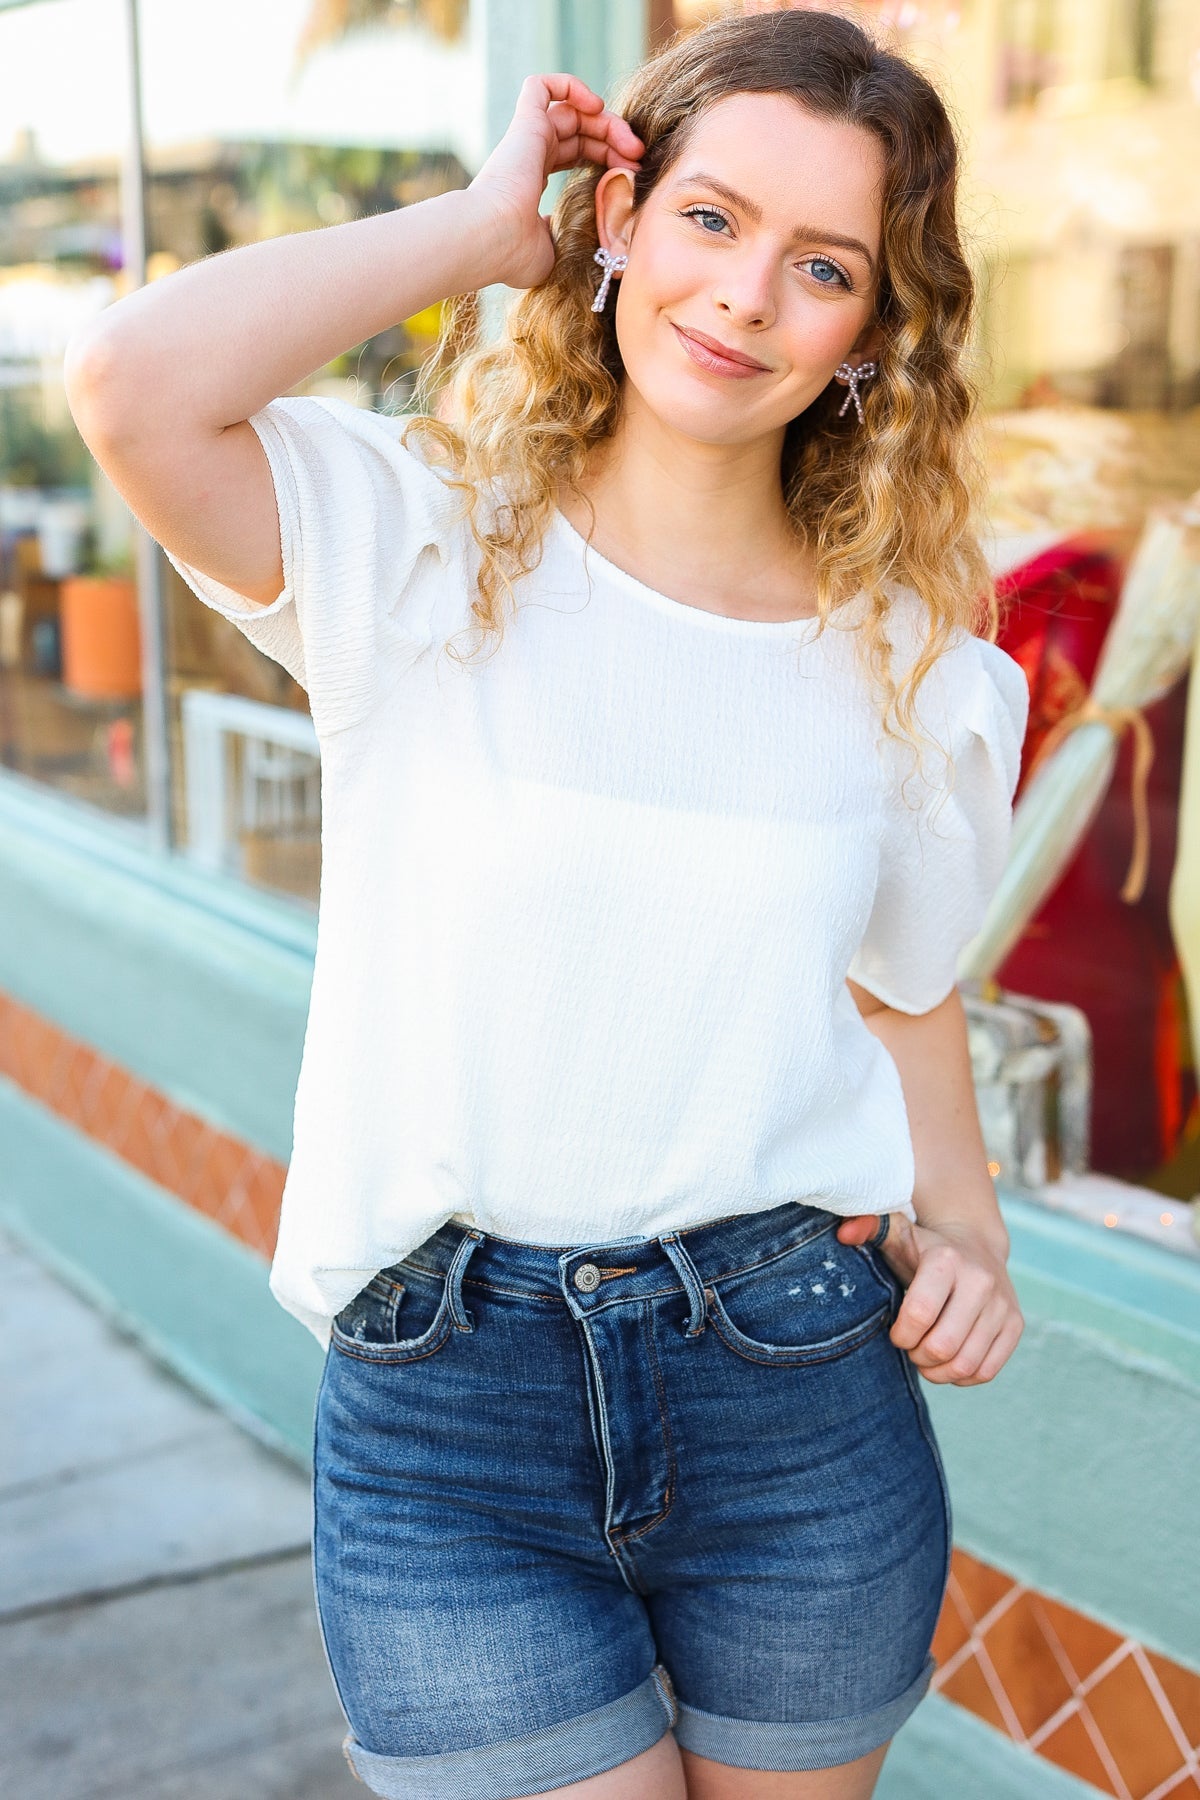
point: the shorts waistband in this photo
(634, 1267)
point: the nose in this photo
(746, 290)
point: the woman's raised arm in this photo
(162, 382)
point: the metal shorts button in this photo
(587, 1278)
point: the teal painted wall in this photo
(1073, 1470)
(192, 1294)
(946, 1753)
(196, 986)
(1077, 1467)
(602, 44)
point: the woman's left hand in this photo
(959, 1320)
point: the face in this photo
(745, 247)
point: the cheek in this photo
(815, 330)
(641, 303)
(659, 280)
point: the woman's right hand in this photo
(559, 123)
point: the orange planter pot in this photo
(101, 637)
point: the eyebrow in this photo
(808, 233)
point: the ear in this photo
(614, 210)
(869, 343)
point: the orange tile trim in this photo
(1068, 1688)
(219, 1175)
(1053, 1680)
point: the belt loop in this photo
(693, 1286)
(463, 1320)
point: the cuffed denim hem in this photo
(762, 1744)
(532, 1764)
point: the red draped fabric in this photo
(1087, 946)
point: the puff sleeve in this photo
(356, 511)
(942, 853)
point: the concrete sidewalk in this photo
(158, 1639)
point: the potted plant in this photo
(44, 484)
(101, 631)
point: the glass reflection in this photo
(70, 669)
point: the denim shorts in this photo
(570, 1497)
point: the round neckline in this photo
(763, 628)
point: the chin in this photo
(708, 418)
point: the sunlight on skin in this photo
(667, 1773)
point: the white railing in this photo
(276, 788)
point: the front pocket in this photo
(394, 1321)
(888, 1275)
(819, 1300)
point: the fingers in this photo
(977, 1368)
(605, 127)
(538, 91)
(1003, 1345)
(860, 1227)
(573, 150)
(900, 1249)
(959, 1322)
(971, 1290)
(924, 1298)
(572, 147)
(578, 113)
(960, 1351)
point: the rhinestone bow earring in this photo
(846, 373)
(612, 265)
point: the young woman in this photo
(634, 1024)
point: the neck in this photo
(708, 518)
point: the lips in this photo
(711, 353)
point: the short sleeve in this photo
(356, 511)
(943, 852)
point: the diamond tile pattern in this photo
(1098, 1704)
(218, 1174)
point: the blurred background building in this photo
(160, 785)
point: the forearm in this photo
(214, 342)
(952, 1184)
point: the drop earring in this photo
(612, 265)
(849, 375)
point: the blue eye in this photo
(705, 212)
(841, 274)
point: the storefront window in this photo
(248, 776)
(337, 112)
(70, 673)
(325, 113)
(1088, 246)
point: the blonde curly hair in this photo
(889, 504)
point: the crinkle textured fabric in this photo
(566, 1497)
(589, 902)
